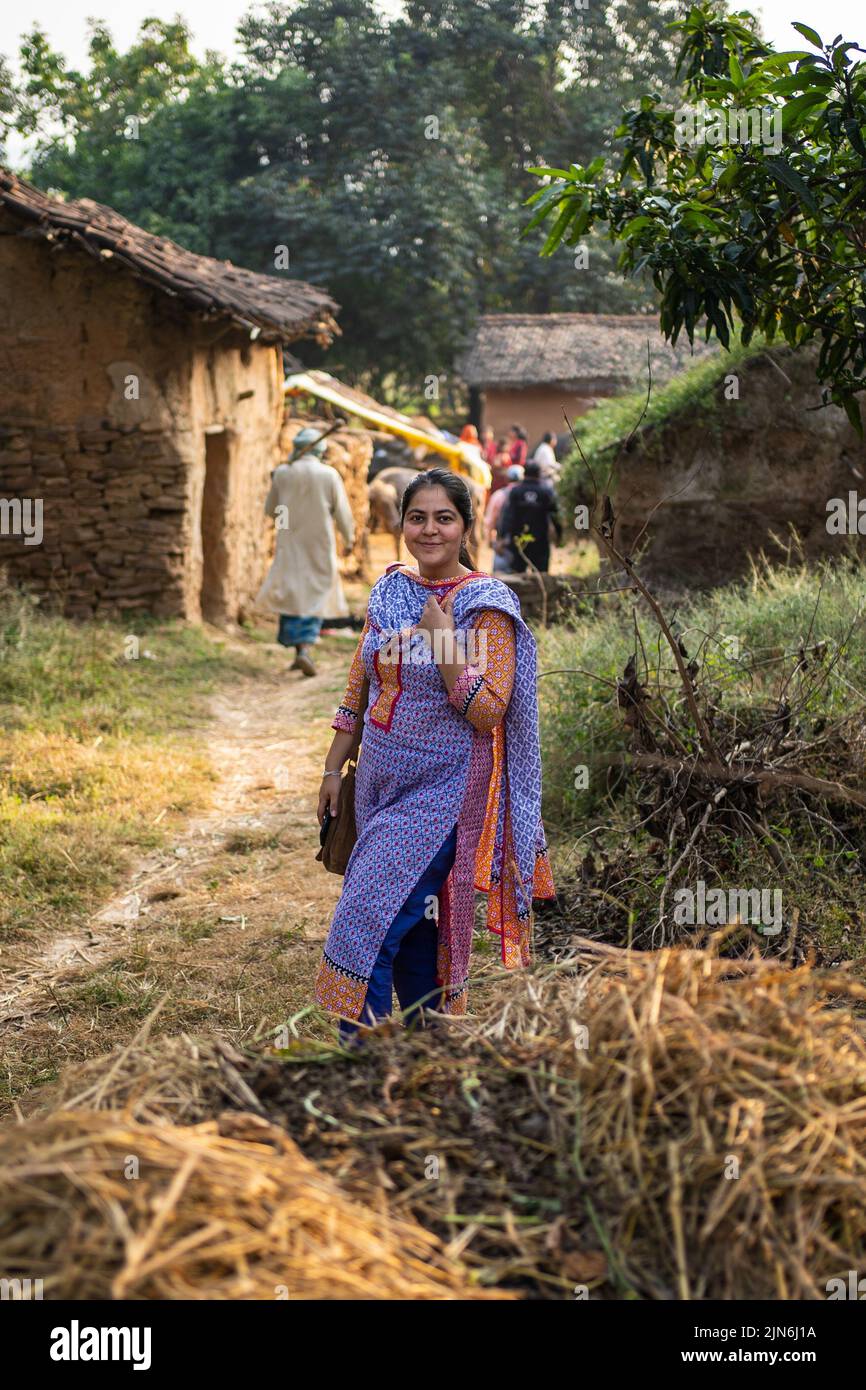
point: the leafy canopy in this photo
(747, 205)
(387, 150)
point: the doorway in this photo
(214, 529)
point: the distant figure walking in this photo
(546, 459)
(500, 466)
(303, 585)
(489, 449)
(517, 445)
(496, 501)
(530, 506)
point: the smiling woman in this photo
(448, 788)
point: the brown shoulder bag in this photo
(342, 832)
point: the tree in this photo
(747, 207)
(389, 155)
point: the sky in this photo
(213, 22)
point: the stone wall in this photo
(737, 473)
(117, 411)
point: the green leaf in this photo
(791, 179)
(545, 196)
(800, 81)
(636, 224)
(692, 218)
(549, 203)
(855, 135)
(809, 34)
(727, 179)
(794, 111)
(783, 59)
(542, 171)
(558, 230)
(581, 222)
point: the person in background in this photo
(546, 459)
(489, 448)
(499, 468)
(531, 506)
(517, 445)
(501, 549)
(306, 498)
(469, 435)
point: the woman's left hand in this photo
(436, 615)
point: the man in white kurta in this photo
(306, 499)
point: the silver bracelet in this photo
(332, 772)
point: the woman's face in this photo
(433, 527)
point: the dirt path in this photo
(222, 927)
(224, 924)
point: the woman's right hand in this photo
(329, 795)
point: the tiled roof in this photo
(280, 308)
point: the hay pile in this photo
(99, 1207)
(349, 451)
(705, 1137)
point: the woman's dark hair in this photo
(458, 493)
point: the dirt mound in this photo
(669, 1125)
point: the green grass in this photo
(815, 855)
(75, 679)
(766, 617)
(692, 393)
(98, 753)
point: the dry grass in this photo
(704, 1138)
(70, 813)
(102, 764)
(224, 925)
(100, 1207)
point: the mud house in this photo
(720, 480)
(527, 368)
(140, 407)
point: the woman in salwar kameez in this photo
(448, 783)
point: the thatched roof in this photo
(576, 352)
(280, 308)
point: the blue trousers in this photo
(407, 957)
(295, 631)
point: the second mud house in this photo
(525, 369)
(140, 407)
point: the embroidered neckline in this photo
(451, 579)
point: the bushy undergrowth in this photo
(747, 640)
(750, 632)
